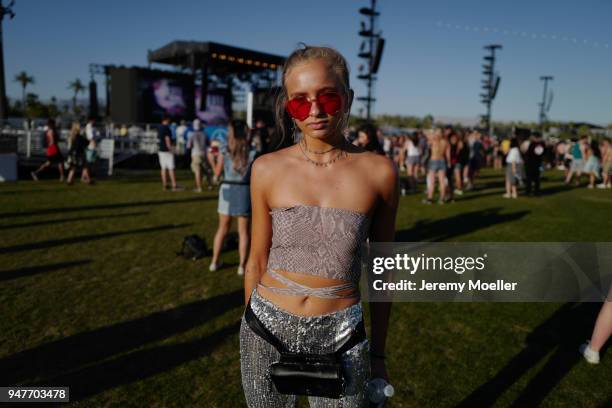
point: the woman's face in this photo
(311, 79)
(362, 138)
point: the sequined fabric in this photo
(318, 335)
(319, 241)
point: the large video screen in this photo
(166, 95)
(216, 112)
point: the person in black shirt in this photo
(166, 154)
(533, 162)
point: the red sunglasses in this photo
(299, 108)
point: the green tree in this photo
(77, 87)
(428, 121)
(24, 79)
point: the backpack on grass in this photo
(193, 247)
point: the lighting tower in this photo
(371, 50)
(4, 11)
(547, 98)
(490, 83)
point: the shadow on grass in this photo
(28, 191)
(46, 211)
(85, 238)
(560, 335)
(475, 196)
(35, 270)
(68, 360)
(73, 219)
(560, 188)
(139, 365)
(457, 225)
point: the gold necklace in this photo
(340, 154)
(315, 152)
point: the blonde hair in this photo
(238, 145)
(75, 130)
(305, 53)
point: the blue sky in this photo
(431, 62)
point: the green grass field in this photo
(92, 296)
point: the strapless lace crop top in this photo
(320, 241)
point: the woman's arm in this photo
(261, 228)
(218, 165)
(383, 230)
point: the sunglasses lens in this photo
(331, 103)
(298, 108)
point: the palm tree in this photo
(77, 87)
(24, 79)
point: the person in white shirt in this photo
(181, 133)
(413, 157)
(514, 164)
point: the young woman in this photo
(234, 201)
(76, 154)
(514, 164)
(367, 138)
(314, 203)
(54, 156)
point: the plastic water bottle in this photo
(378, 392)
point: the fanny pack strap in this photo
(359, 334)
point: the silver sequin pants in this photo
(317, 335)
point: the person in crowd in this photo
(53, 153)
(475, 159)
(606, 158)
(91, 153)
(464, 159)
(367, 139)
(413, 157)
(259, 140)
(77, 155)
(514, 164)
(436, 168)
(592, 166)
(388, 146)
(424, 149)
(181, 133)
(213, 155)
(498, 155)
(560, 156)
(301, 277)
(235, 163)
(601, 332)
(197, 144)
(166, 155)
(533, 163)
(577, 151)
(455, 167)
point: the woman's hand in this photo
(379, 368)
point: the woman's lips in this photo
(318, 125)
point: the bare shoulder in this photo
(269, 164)
(379, 167)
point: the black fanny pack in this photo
(318, 375)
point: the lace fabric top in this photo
(319, 241)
